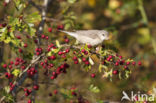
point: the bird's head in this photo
(104, 35)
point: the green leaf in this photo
(71, 1)
(100, 101)
(8, 40)
(94, 89)
(32, 18)
(31, 31)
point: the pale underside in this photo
(84, 39)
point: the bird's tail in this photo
(73, 34)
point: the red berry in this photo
(5, 3)
(25, 89)
(18, 37)
(4, 65)
(103, 62)
(16, 63)
(108, 59)
(29, 91)
(139, 63)
(52, 77)
(42, 36)
(50, 94)
(86, 52)
(10, 66)
(125, 67)
(76, 62)
(67, 40)
(87, 62)
(42, 63)
(89, 46)
(74, 58)
(47, 37)
(115, 72)
(51, 65)
(36, 41)
(20, 50)
(29, 101)
(26, 93)
(28, 36)
(36, 87)
(37, 53)
(133, 63)
(93, 75)
(55, 91)
(120, 57)
(50, 29)
(74, 93)
(53, 57)
(60, 53)
(128, 63)
(23, 67)
(83, 59)
(83, 50)
(60, 27)
(117, 63)
(25, 45)
(11, 62)
(67, 50)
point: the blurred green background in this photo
(132, 24)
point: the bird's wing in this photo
(88, 33)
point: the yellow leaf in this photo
(113, 4)
(107, 74)
(16, 72)
(58, 43)
(91, 3)
(91, 61)
(100, 68)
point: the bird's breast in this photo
(88, 40)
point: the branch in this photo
(36, 6)
(23, 74)
(78, 47)
(52, 20)
(39, 32)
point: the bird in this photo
(91, 37)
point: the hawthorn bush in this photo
(38, 53)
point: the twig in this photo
(52, 20)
